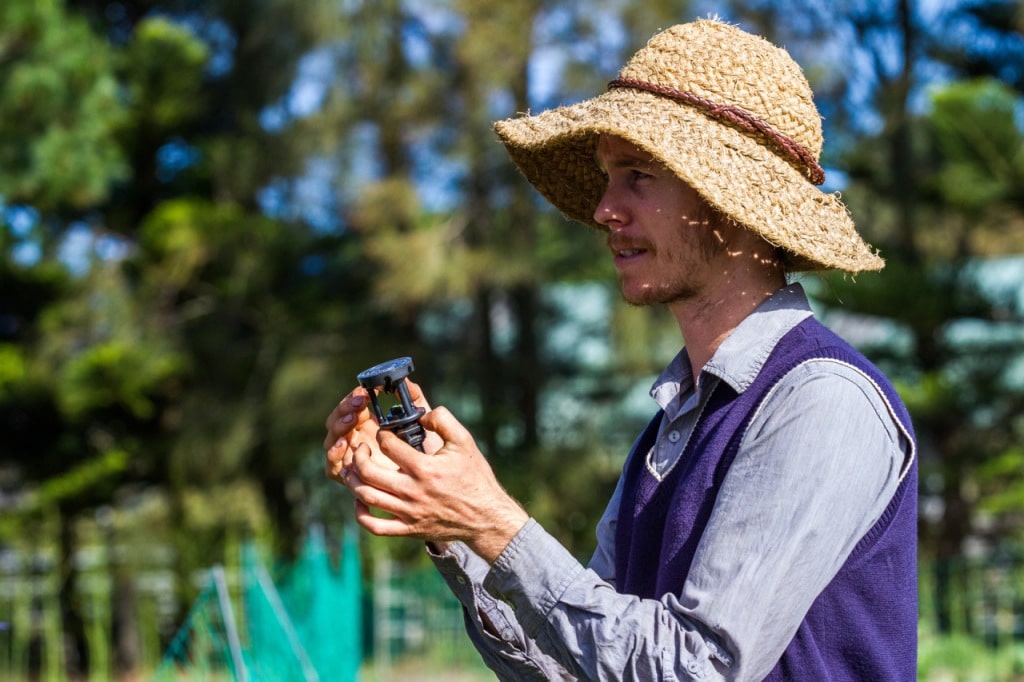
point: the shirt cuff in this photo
(531, 575)
(463, 571)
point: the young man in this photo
(764, 526)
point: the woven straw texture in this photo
(740, 173)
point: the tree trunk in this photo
(75, 644)
(124, 621)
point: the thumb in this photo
(443, 423)
(416, 393)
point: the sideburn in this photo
(712, 238)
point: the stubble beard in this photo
(708, 246)
(666, 294)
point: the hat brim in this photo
(734, 172)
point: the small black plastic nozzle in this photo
(404, 417)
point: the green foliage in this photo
(102, 353)
(115, 373)
(1002, 479)
(60, 109)
(931, 396)
(962, 658)
(164, 70)
(97, 471)
(188, 244)
(13, 371)
(977, 134)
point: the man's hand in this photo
(450, 495)
(350, 424)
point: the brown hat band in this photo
(744, 120)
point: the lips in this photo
(625, 249)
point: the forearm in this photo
(596, 633)
(491, 624)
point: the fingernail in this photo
(347, 419)
(357, 400)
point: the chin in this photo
(649, 295)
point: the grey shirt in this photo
(818, 465)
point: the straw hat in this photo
(726, 111)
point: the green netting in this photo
(205, 648)
(305, 626)
(326, 607)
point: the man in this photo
(764, 526)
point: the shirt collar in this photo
(741, 355)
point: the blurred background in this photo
(214, 214)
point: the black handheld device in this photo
(404, 417)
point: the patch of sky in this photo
(173, 157)
(27, 253)
(309, 198)
(314, 76)
(21, 222)
(75, 248)
(438, 180)
(544, 74)
(215, 33)
(82, 244)
(835, 180)
(418, 34)
(221, 40)
(602, 51)
(361, 161)
(437, 17)
(316, 196)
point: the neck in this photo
(705, 320)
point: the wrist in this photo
(438, 547)
(490, 544)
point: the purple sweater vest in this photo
(863, 626)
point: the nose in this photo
(608, 212)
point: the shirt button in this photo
(460, 580)
(673, 436)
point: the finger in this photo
(333, 469)
(337, 463)
(373, 498)
(336, 453)
(346, 416)
(444, 423)
(390, 526)
(416, 393)
(403, 455)
(351, 403)
(379, 472)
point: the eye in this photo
(636, 175)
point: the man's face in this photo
(663, 236)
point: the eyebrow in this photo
(627, 160)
